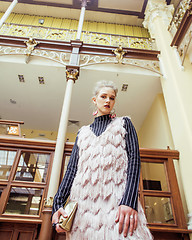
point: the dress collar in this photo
(102, 118)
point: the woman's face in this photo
(104, 101)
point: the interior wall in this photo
(39, 134)
(46, 135)
(155, 131)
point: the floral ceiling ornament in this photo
(119, 53)
(58, 57)
(87, 60)
(31, 44)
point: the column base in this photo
(46, 226)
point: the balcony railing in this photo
(183, 6)
(68, 35)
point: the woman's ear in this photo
(94, 100)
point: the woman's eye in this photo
(112, 98)
(103, 96)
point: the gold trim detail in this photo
(72, 74)
(48, 202)
(31, 44)
(138, 42)
(119, 53)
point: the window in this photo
(32, 167)
(6, 161)
(24, 175)
(154, 176)
(158, 189)
(159, 210)
(24, 201)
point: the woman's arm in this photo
(130, 197)
(127, 211)
(66, 184)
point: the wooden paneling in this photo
(170, 236)
(6, 234)
(15, 231)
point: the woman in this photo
(103, 177)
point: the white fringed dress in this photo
(100, 183)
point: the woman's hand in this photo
(127, 218)
(55, 219)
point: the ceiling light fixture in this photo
(12, 101)
(21, 78)
(75, 122)
(41, 80)
(124, 87)
(41, 135)
(41, 21)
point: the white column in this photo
(157, 18)
(71, 76)
(7, 13)
(81, 20)
(57, 162)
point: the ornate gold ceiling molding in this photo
(59, 57)
(87, 60)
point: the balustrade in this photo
(182, 8)
(67, 35)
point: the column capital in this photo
(84, 3)
(72, 72)
(154, 9)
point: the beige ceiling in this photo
(57, 1)
(128, 5)
(39, 106)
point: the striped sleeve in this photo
(66, 184)
(130, 197)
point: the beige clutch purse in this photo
(70, 208)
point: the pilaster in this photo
(175, 84)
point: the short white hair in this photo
(101, 84)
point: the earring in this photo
(95, 113)
(112, 114)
